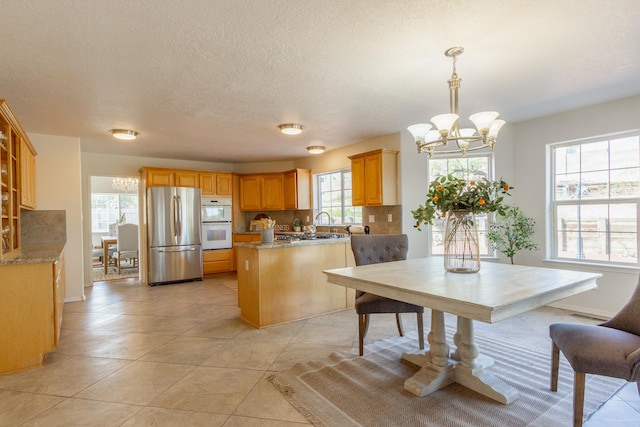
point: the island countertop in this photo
(35, 253)
(279, 244)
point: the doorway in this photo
(114, 202)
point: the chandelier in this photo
(125, 185)
(447, 127)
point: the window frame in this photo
(552, 229)
(490, 172)
(317, 195)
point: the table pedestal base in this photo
(439, 369)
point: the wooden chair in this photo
(372, 249)
(611, 349)
(127, 244)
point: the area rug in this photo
(348, 390)
(98, 274)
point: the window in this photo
(111, 208)
(334, 197)
(468, 168)
(596, 199)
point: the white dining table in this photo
(496, 292)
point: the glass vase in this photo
(461, 249)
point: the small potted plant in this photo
(297, 224)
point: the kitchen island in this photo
(283, 282)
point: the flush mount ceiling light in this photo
(447, 125)
(125, 134)
(316, 149)
(291, 128)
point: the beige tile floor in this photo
(179, 355)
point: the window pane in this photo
(607, 171)
(624, 153)
(625, 183)
(334, 196)
(467, 168)
(592, 156)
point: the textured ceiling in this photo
(211, 79)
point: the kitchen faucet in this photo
(327, 214)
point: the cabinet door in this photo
(159, 178)
(186, 179)
(27, 176)
(208, 184)
(273, 192)
(250, 199)
(357, 181)
(291, 190)
(373, 179)
(224, 184)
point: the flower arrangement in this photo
(450, 193)
(267, 223)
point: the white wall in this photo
(58, 187)
(532, 191)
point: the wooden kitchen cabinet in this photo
(158, 177)
(12, 140)
(31, 303)
(218, 261)
(297, 189)
(216, 184)
(27, 175)
(375, 178)
(273, 192)
(262, 192)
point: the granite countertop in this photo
(279, 244)
(35, 253)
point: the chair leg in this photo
(578, 398)
(363, 326)
(421, 330)
(555, 365)
(399, 322)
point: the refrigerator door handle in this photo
(177, 217)
(177, 249)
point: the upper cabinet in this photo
(262, 192)
(14, 180)
(375, 178)
(276, 191)
(27, 175)
(297, 189)
(216, 184)
(158, 177)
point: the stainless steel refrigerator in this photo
(175, 253)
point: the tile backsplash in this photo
(379, 214)
(42, 226)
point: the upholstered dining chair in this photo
(611, 349)
(127, 244)
(373, 249)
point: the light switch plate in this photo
(372, 218)
(390, 217)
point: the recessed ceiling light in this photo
(124, 134)
(291, 128)
(316, 149)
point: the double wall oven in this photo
(216, 223)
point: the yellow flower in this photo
(481, 201)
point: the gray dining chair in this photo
(373, 249)
(610, 349)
